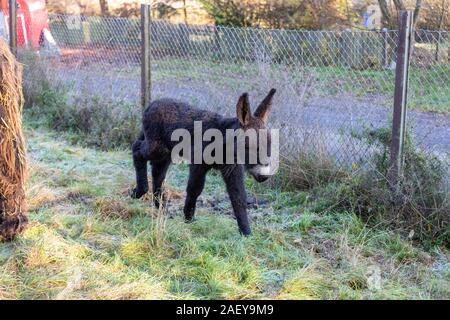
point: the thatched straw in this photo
(12, 146)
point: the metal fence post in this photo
(347, 52)
(438, 43)
(400, 96)
(145, 56)
(385, 53)
(13, 26)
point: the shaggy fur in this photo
(12, 147)
(154, 144)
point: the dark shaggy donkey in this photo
(154, 144)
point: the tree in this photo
(390, 13)
(435, 15)
(185, 12)
(226, 12)
(310, 14)
(104, 8)
(163, 9)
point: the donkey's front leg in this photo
(234, 181)
(159, 171)
(197, 175)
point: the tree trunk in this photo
(185, 12)
(389, 17)
(104, 8)
(417, 11)
(386, 14)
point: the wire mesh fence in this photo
(334, 87)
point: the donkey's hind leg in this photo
(140, 158)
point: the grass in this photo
(428, 86)
(88, 240)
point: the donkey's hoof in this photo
(253, 203)
(189, 220)
(137, 194)
(245, 232)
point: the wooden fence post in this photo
(400, 96)
(145, 56)
(13, 26)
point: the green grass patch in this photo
(88, 240)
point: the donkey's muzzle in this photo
(260, 173)
(260, 178)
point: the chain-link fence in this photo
(333, 86)
(97, 56)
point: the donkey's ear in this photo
(243, 110)
(265, 106)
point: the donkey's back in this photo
(167, 115)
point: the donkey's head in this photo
(257, 136)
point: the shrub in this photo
(95, 121)
(418, 206)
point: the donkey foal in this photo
(162, 117)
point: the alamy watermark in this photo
(257, 147)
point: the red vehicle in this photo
(32, 23)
